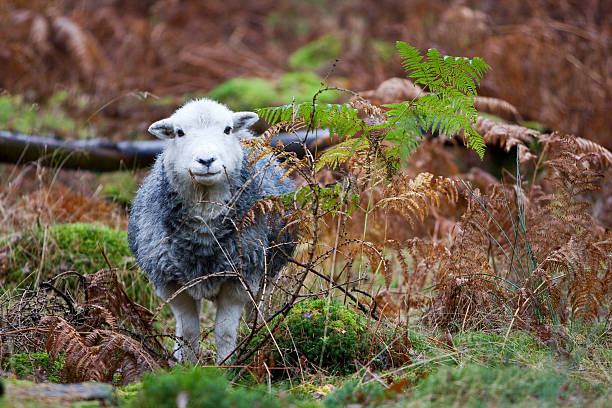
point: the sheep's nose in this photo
(206, 162)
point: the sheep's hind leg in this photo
(186, 311)
(230, 302)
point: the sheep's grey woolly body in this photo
(174, 242)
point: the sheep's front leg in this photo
(230, 302)
(186, 311)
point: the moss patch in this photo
(475, 386)
(316, 54)
(250, 93)
(64, 247)
(303, 332)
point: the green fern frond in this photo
(448, 107)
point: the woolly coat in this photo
(174, 245)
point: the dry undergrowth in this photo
(99, 334)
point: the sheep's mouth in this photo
(204, 175)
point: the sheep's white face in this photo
(203, 146)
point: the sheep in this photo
(183, 221)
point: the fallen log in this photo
(103, 155)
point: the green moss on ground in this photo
(251, 93)
(483, 369)
(316, 54)
(304, 333)
(74, 247)
(62, 247)
(474, 385)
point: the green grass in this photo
(119, 187)
(203, 388)
(484, 370)
(474, 385)
(492, 349)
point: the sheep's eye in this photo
(180, 133)
(227, 130)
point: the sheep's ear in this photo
(162, 129)
(244, 120)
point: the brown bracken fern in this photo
(99, 356)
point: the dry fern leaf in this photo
(40, 34)
(385, 304)
(342, 152)
(258, 148)
(497, 107)
(579, 145)
(121, 354)
(263, 207)
(377, 261)
(80, 44)
(109, 304)
(99, 356)
(394, 90)
(106, 296)
(507, 136)
(80, 360)
(414, 197)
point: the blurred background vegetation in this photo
(95, 61)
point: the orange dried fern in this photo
(414, 197)
(99, 356)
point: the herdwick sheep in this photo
(183, 222)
